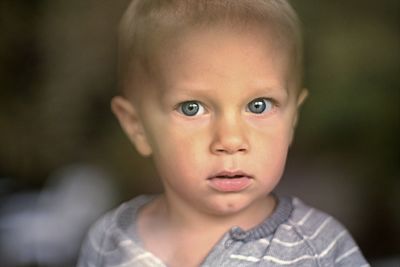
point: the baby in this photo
(210, 90)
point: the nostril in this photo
(230, 146)
(231, 150)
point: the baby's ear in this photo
(130, 122)
(300, 100)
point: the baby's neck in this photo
(170, 234)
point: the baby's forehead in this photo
(251, 37)
(208, 60)
(166, 27)
(211, 48)
(205, 59)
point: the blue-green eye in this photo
(191, 108)
(259, 105)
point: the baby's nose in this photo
(229, 136)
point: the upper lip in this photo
(230, 175)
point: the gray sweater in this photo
(294, 235)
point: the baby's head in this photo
(211, 90)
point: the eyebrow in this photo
(189, 89)
(273, 90)
(181, 95)
(200, 88)
(186, 89)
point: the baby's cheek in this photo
(272, 154)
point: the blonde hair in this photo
(147, 23)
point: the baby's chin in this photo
(232, 204)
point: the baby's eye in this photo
(191, 108)
(259, 105)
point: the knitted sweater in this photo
(294, 235)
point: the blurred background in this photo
(64, 160)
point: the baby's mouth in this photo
(226, 181)
(230, 175)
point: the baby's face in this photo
(220, 118)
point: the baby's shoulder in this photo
(314, 234)
(310, 221)
(116, 223)
(112, 239)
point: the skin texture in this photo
(223, 69)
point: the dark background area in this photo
(58, 73)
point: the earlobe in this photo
(131, 124)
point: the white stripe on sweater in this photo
(304, 219)
(138, 258)
(305, 257)
(245, 258)
(348, 253)
(295, 260)
(315, 234)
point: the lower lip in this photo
(230, 185)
